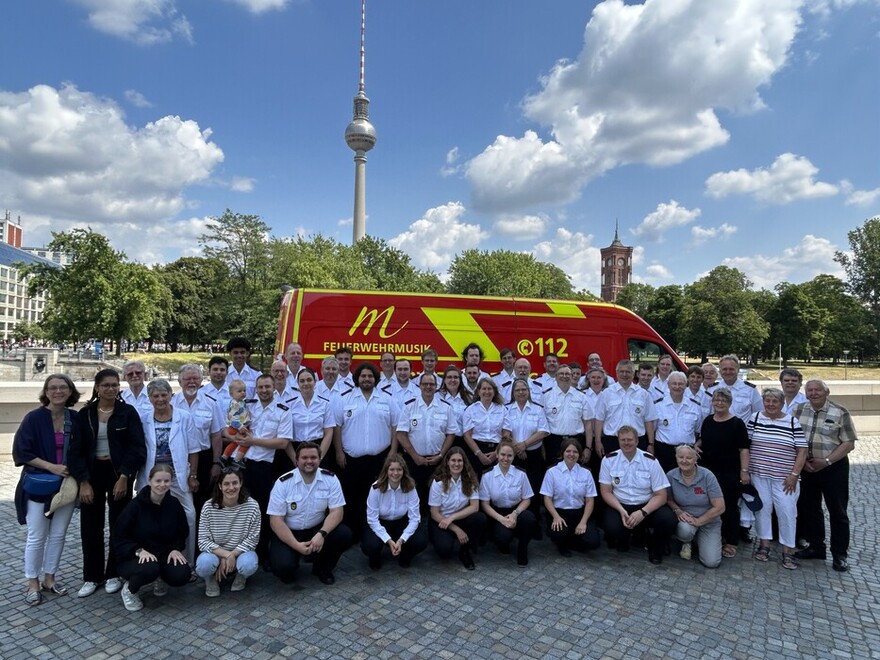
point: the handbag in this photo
(41, 484)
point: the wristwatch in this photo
(827, 461)
(322, 533)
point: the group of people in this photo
(396, 463)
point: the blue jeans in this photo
(207, 563)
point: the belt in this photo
(102, 458)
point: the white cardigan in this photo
(183, 441)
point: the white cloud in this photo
(644, 89)
(812, 256)
(242, 184)
(858, 197)
(260, 6)
(521, 227)
(437, 236)
(573, 252)
(664, 218)
(702, 234)
(345, 222)
(144, 22)
(69, 155)
(788, 179)
(137, 99)
(452, 165)
(658, 274)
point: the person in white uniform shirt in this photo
(659, 386)
(284, 391)
(569, 415)
(343, 357)
(678, 421)
(471, 378)
(453, 393)
(386, 364)
(456, 523)
(216, 385)
(522, 369)
(313, 415)
(505, 496)
(239, 350)
(548, 378)
(425, 431)
(791, 381)
(624, 404)
(473, 357)
(747, 400)
(483, 425)
(504, 378)
(634, 488)
(569, 493)
(305, 513)
(594, 361)
(393, 516)
(525, 424)
(293, 356)
(429, 366)
(403, 388)
(136, 395)
(696, 393)
(330, 383)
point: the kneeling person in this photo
(305, 514)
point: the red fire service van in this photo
(406, 324)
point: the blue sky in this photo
(737, 132)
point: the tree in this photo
(391, 269)
(637, 297)
(195, 286)
(797, 324)
(863, 267)
(660, 307)
(848, 323)
(27, 330)
(505, 273)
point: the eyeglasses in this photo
(109, 386)
(58, 388)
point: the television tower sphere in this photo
(360, 135)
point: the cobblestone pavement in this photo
(602, 605)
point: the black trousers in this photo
(553, 447)
(175, 575)
(566, 537)
(665, 454)
(285, 560)
(357, 477)
(103, 478)
(832, 485)
(206, 487)
(476, 463)
(523, 532)
(259, 482)
(446, 543)
(662, 522)
(372, 546)
(731, 489)
(534, 467)
(422, 475)
(610, 443)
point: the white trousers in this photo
(186, 500)
(45, 539)
(773, 497)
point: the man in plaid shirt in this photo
(831, 436)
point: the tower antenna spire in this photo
(363, 38)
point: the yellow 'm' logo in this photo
(369, 317)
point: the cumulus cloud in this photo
(658, 274)
(664, 218)
(242, 184)
(858, 197)
(452, 165)
(812, 256)
(644, 89)
(69, 155)
(433, 239)
(700, 234)
(137, 99)
(260, 6)
(573, 252)
(144, 22)
(788, 179)
(521, 227)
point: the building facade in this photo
(616, 271)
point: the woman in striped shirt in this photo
(777, 455)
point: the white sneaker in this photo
(685, 552)
(112, 585)
(239, 583)
(212, 587)
(160, 588)
(132, 602)
(87, 589)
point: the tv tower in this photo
(360, 136)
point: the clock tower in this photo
(616, 268)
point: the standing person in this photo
(504, 378)
(791, 380)
(386, 364)
(548, 378)
(305, 513)
(776, 457)
(456, 523)
(634, 487)
(136, 395)
(525, 424)
(293, 356)
(724, 446)
(284, 391)
(596, 381)
(40, 446)
(594, 361)
(209, 422)
(569, 415)
(104, 458)
(393, 514)
(471, 379)
(151, 534)
(624, 404)
(659, 386)
(569, 493)
(710, 376)
(747, 400)
(343, 357)
(216, 385)
(458, 397)
(425, 430)
(229, 530)
(239, 349)
(172, 440)
(830, 437)
(522, 369)
(429, 366)
(646, 377)
(473, 356)
(483, 425)
(312, 413)
(403, 388)
(366, 422)
(505, 497)
(678, 421)
(695, 391)
(330, 383)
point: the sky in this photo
(733, 132)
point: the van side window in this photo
(642, 350)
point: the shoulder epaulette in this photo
(347, 392)
(693, 400)
(443, 400)
(535, 403)
(408, 401)
(208, 396)
(294, 388)
(376, 486)
(251, 400)
(506, 384)
(649, 455)
(282, 406)
(329, 473)
(547, 390)
(324, 398)
(385, 388)
(749, 384)
(536, 379)
(285, 477)
(612, 454)
(659, 400)
(290, 400)
(497, 373)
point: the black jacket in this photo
(128, 450)
(157, 528)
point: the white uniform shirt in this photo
(458, 408)
(505, 490)
(504, 381)
(523, 422)
(617, 407)
(536, 390)
(141, 402)
(568, 488)
(385, 380)
(221, 396)
(437, 379)
(485, 425)
(248, 375)
(451, 501)
(747, 401)
(272, 421)
(583, 384)
(427, 424)
(480, 377)
(702, 399)
(327, 392)
(305, 505)
(659, 388)
(292, 383)
(790, 408)
(205, 413)
(309, 422)
(393, 504)
(401, 394)
(566, 411)
(366, 424)
(678, 424)
(635, 481)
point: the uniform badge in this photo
(293, 506)
(348, 413)
(553, 411)
(415, 423)
(616, 481)
(638, 410)
(665, 422)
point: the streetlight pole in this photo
(845, 363)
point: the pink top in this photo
(59, 447)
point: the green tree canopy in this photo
(505, 273)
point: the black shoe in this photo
(840, 564)
(326, 577)
(810, 553)
(375, 563)
(466, 560)
(563, 550)
(404, 562)
(655, 557)
(504, 548)
(522, 556)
